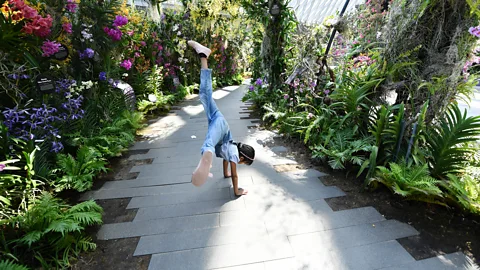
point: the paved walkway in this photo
(283, 223)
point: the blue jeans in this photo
(218, 129)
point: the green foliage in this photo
(18, 190)
(447, 142)
(78, 173)
(464, 191)
(340, 148)
(411, 181)
(52, 231)
(9, 265)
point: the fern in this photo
(447, 142)
(410, 181)
(342, 149)
(52, 231)
(9, 265)
(79, 173)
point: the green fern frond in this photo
(9, 265)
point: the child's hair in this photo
(247, 152)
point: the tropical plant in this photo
(464, 191)
(78, 173)
(9, 265)
(51, 231)
(340, 147)
(448, 142)
(410, 181)
(17, 190)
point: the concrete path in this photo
(283, 223)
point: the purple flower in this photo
(2, 167)
(67, 27)
(251, 88)
(13, 76)
(326, 92)
(120, 21)
(56, 147)
(71, 6)
(88, 53)
(113, 33)
(126, 64)
(143, 43)
(285, 96)
(102, 76)
(475, 31)
(258, 81)
(63, 85)
(49, 48)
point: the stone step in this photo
(179, 198)
(365, 257)
(293, 223)
(189, 209)
(352, 236)
(158, 226)
(253, 251)
(452, 261)
(104, 194)
(198, 239)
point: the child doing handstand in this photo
(219, 138)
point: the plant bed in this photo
(117, 253)
(442, 230)
(113, 254)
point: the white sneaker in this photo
(199, 48)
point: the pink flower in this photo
(130, 32)
(71, 6)
(126, 64)
(143, 43)
(2, 167)
(39, 26)
(29, 13)
(285, 96)
(137, 54)
(67, 27)
(310, 116)
(113, 33)
(49, 48)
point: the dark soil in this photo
(118, 253)
(442, 230)
(113, 255)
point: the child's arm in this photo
(225, 169)
(238, 191)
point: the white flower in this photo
(87, 85)
(152, 98)
(179, 33)
(125, 74)
(379, 34)
(180, 59)
(175, 28)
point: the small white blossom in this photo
(175, 27)
(152, 97)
